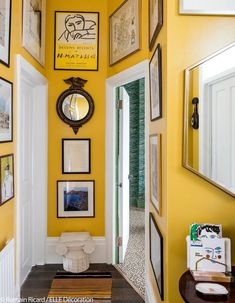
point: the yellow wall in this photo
(190, 198)
(7, 210)
(94, 129)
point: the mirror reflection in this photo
(210, 119)
(75, 107)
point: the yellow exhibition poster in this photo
(76, 40)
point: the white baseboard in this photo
(98, 256)
(149, 293)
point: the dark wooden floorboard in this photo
(39, 281)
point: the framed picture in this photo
(5, 31)
(156, 254)
(34, 28)
(207, 7)
(155, 172)
(75, 199)
(6, 178)
(6, 111)
(76, 40)
(155, 70)
(124, 27)
(155, 20)
(76, 156)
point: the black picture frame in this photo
(157, 29)
(159, 277)
(65, 170)
(55, 39)
(62, 212)
(7, 62)
(5, 140)
(155, 83)
(10, 178)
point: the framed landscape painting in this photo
(6, 111)
(5, 31)
(156, 254)
(155, 20)
(76, 40)
(75, 199)
(155, 70)
(6, 178)
(76, 156)
(207, 7)
(155, 171)
(34, 14)
(124, 27)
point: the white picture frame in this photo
(207, 7)
(5, 31)
(34, 14)
(76, 156)
(75, 199)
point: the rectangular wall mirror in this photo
(209, 119)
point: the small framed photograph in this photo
(76, 156)
(155, 172)
(155, 70)
(76, 41)
(124, 27)
(156, 254)
(6, 178)
(6, 111)
(5, 31)
(207, 7)
(75, 199)
(34, 15)
(155, 20)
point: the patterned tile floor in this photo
(133, 267)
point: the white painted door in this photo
(25, 184)
(223, 132)
(123, 182)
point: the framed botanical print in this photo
(156, 254)
(5, 31)
(75, 199)
(155, 172)
(155, 70)
(76, 40)
(124, 27)
(6, 178)
(155, 20)
(207, 7)
(34, 15)
(76, 156)
(6, 111)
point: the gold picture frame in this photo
(124, 27)
(6, 178)
(155, 178)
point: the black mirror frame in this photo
(75, 88)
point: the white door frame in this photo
(25, 71)
(134, 73)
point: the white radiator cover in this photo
(7, 272)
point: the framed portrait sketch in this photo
(155, 20)
(155, 171)
(75, 199)
(34, 15)
(207, 7)
(6, 178)
(156, 254)
(76, 156)
(6, 111)
(124, 27)
(5, 31)
(155, 74)
(76, 40)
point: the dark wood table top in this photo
(189, 294)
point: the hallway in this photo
(39, 282)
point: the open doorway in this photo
(130, 179)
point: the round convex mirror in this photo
(75, 107)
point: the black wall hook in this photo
(195, 116)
